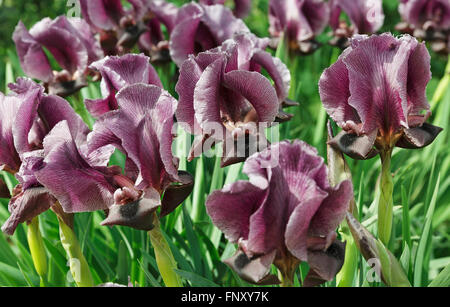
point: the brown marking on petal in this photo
(255, 270)
(176, 193)
(419, 137)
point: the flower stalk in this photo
(385, 204)
(79, 268)
(164, 257)
(37, 250)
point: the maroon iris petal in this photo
(287, 208)
(67, 174)
(222, 92)
(377, 88)
(200, 27)
(117, 73)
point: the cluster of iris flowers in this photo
(228, 85)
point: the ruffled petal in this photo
(378, 72)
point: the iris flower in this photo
(117, 73)
(200, 28)
(366, 17)
(121, 28)
(28, 118)
(241, 7)
(299, 21)
(224, 97)
(285, 214)
(70, 42)
(376, 92)
(428, 20)
(142, 129)
(153, 42)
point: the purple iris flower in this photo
(376, 93)
(71, 43)
(141, 128)
(241, 7)
(299, 21)
(285, 214)
(29, 123)
(200, 28)
(121, 28)
(366, 17)
(153, 42)
(428, 20)
(223, 96)
(117, 73)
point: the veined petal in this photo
(78, 186)
(378, 72)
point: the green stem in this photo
(347, 274)
(164, 258)
(385, 204)
(37, 250)
(78, 265)
(287, 280)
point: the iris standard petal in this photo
(33, 59)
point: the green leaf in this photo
(195, 279)
(425, 240)
(443, 279)
(122, 264)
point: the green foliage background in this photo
(422, 178)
